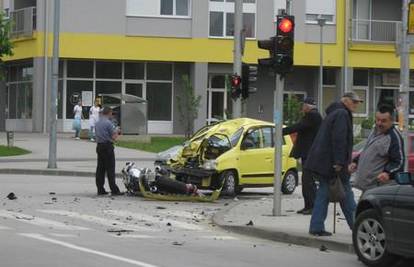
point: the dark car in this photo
(384, 225)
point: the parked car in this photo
(238, 152)
(360, 146)
(384, 225)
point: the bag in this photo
(76, 124)
(336, 189)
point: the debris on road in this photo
(52, 193)
(161, 208)
(176, 243)
(119, 231)
(323, 248)
(250, 223)
(11, 196)
(169, 224)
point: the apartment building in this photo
(145, 47)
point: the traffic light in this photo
(271, 46)
(235, 86)
(285, 41)
(249, 78)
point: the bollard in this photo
(10, 139)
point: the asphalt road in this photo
(58, 221)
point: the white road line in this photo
(87, 250)
(155, 220)
(24, 218)
(98, 220)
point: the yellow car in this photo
(238, 151)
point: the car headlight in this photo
(210, 164)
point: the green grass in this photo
(12, 151)
(157, 144)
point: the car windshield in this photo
(219, 140)
(234, 139)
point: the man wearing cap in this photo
(106, 133)
(330, 157)
(306, 130)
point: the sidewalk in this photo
(290, 228)
(74, 157)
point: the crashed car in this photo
(236, 153)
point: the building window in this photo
(20, 92)
(134, 71)
(174, 8)
(109, 70)
(329, 77)
(222, 18)
(80, 69)
(159, 97)
(362, 92)
(74, 89)
(324, 8)
(361, 77)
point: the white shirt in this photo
(93, 116)
(78, 111)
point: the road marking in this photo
(39, 221)
(94, 219)
(87, 250)
(155, 220)
(63, 235)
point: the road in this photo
(58, 221)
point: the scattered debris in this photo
(236, 199)
(119, 231)
(254, 246)
(149, 224)
(161, 208)
(226, 204)
(323, 248)
(24, 218)
(11, 196)
(169, 224)
(129, 218)
(52, 193)
(54, 199)
(176, 243)
(250, 223)
(289, 210)
(48, 203)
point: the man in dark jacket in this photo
(330, 156)
(306, 130)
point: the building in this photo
(144, 47)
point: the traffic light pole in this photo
(278, 136)
(405, 77)
(237, 65)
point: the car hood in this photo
(388, 189)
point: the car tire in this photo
(369, 240)
(290, 182)
(230, 186)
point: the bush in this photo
(292, 110)
(368, 123)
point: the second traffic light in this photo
(235, 86)
(249, 78)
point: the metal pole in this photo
(321, 23)
(405, 77)
(53, 95)
(46, 65)
(237, 65)
(278, 120)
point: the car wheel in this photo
(230, 183)
(370, 240)
(289, 182)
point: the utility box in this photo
(131, 113)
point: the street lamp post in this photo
(321, 22)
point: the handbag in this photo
(336, 189)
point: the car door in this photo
(403, 219)
(254, 158)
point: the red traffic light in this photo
(285, 25)
(235, 81)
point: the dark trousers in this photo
(106, 164)
(308, 187)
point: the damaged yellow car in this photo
(237, 153)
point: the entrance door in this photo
(217, 105)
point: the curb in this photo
(51, 172)
(280, 236)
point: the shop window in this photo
(109, 70)
(329, 77)
(80, 69)
(159, 72)
(218, 81)
(74, 93)
(109, 87)
(134, 71)
(360, 77)
(159, 97)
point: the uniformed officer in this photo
(106, 133)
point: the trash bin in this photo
(10, 139)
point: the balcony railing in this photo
(23, 22)
(383, 31)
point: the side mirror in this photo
(404, 178)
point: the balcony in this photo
(23, 22)
(380, 31)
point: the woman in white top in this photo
(93, 119)
(77, 112)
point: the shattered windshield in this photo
(234, 139)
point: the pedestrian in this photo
(330, 157)
(106, 134)
(306, 130)
(383, 155)
(93, 119)
(77, 121)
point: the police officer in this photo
(106, 133)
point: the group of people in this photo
(325, 148)
(94, 112)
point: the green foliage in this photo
(157, 144)
(292, 110)
(188, 104)
(6, 46)
(368, 123)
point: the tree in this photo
(292, 110)
(188, 105)
(6, 46)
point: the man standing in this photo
(106, 133)
(329, 157)
(383, 155)
(306, 128)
